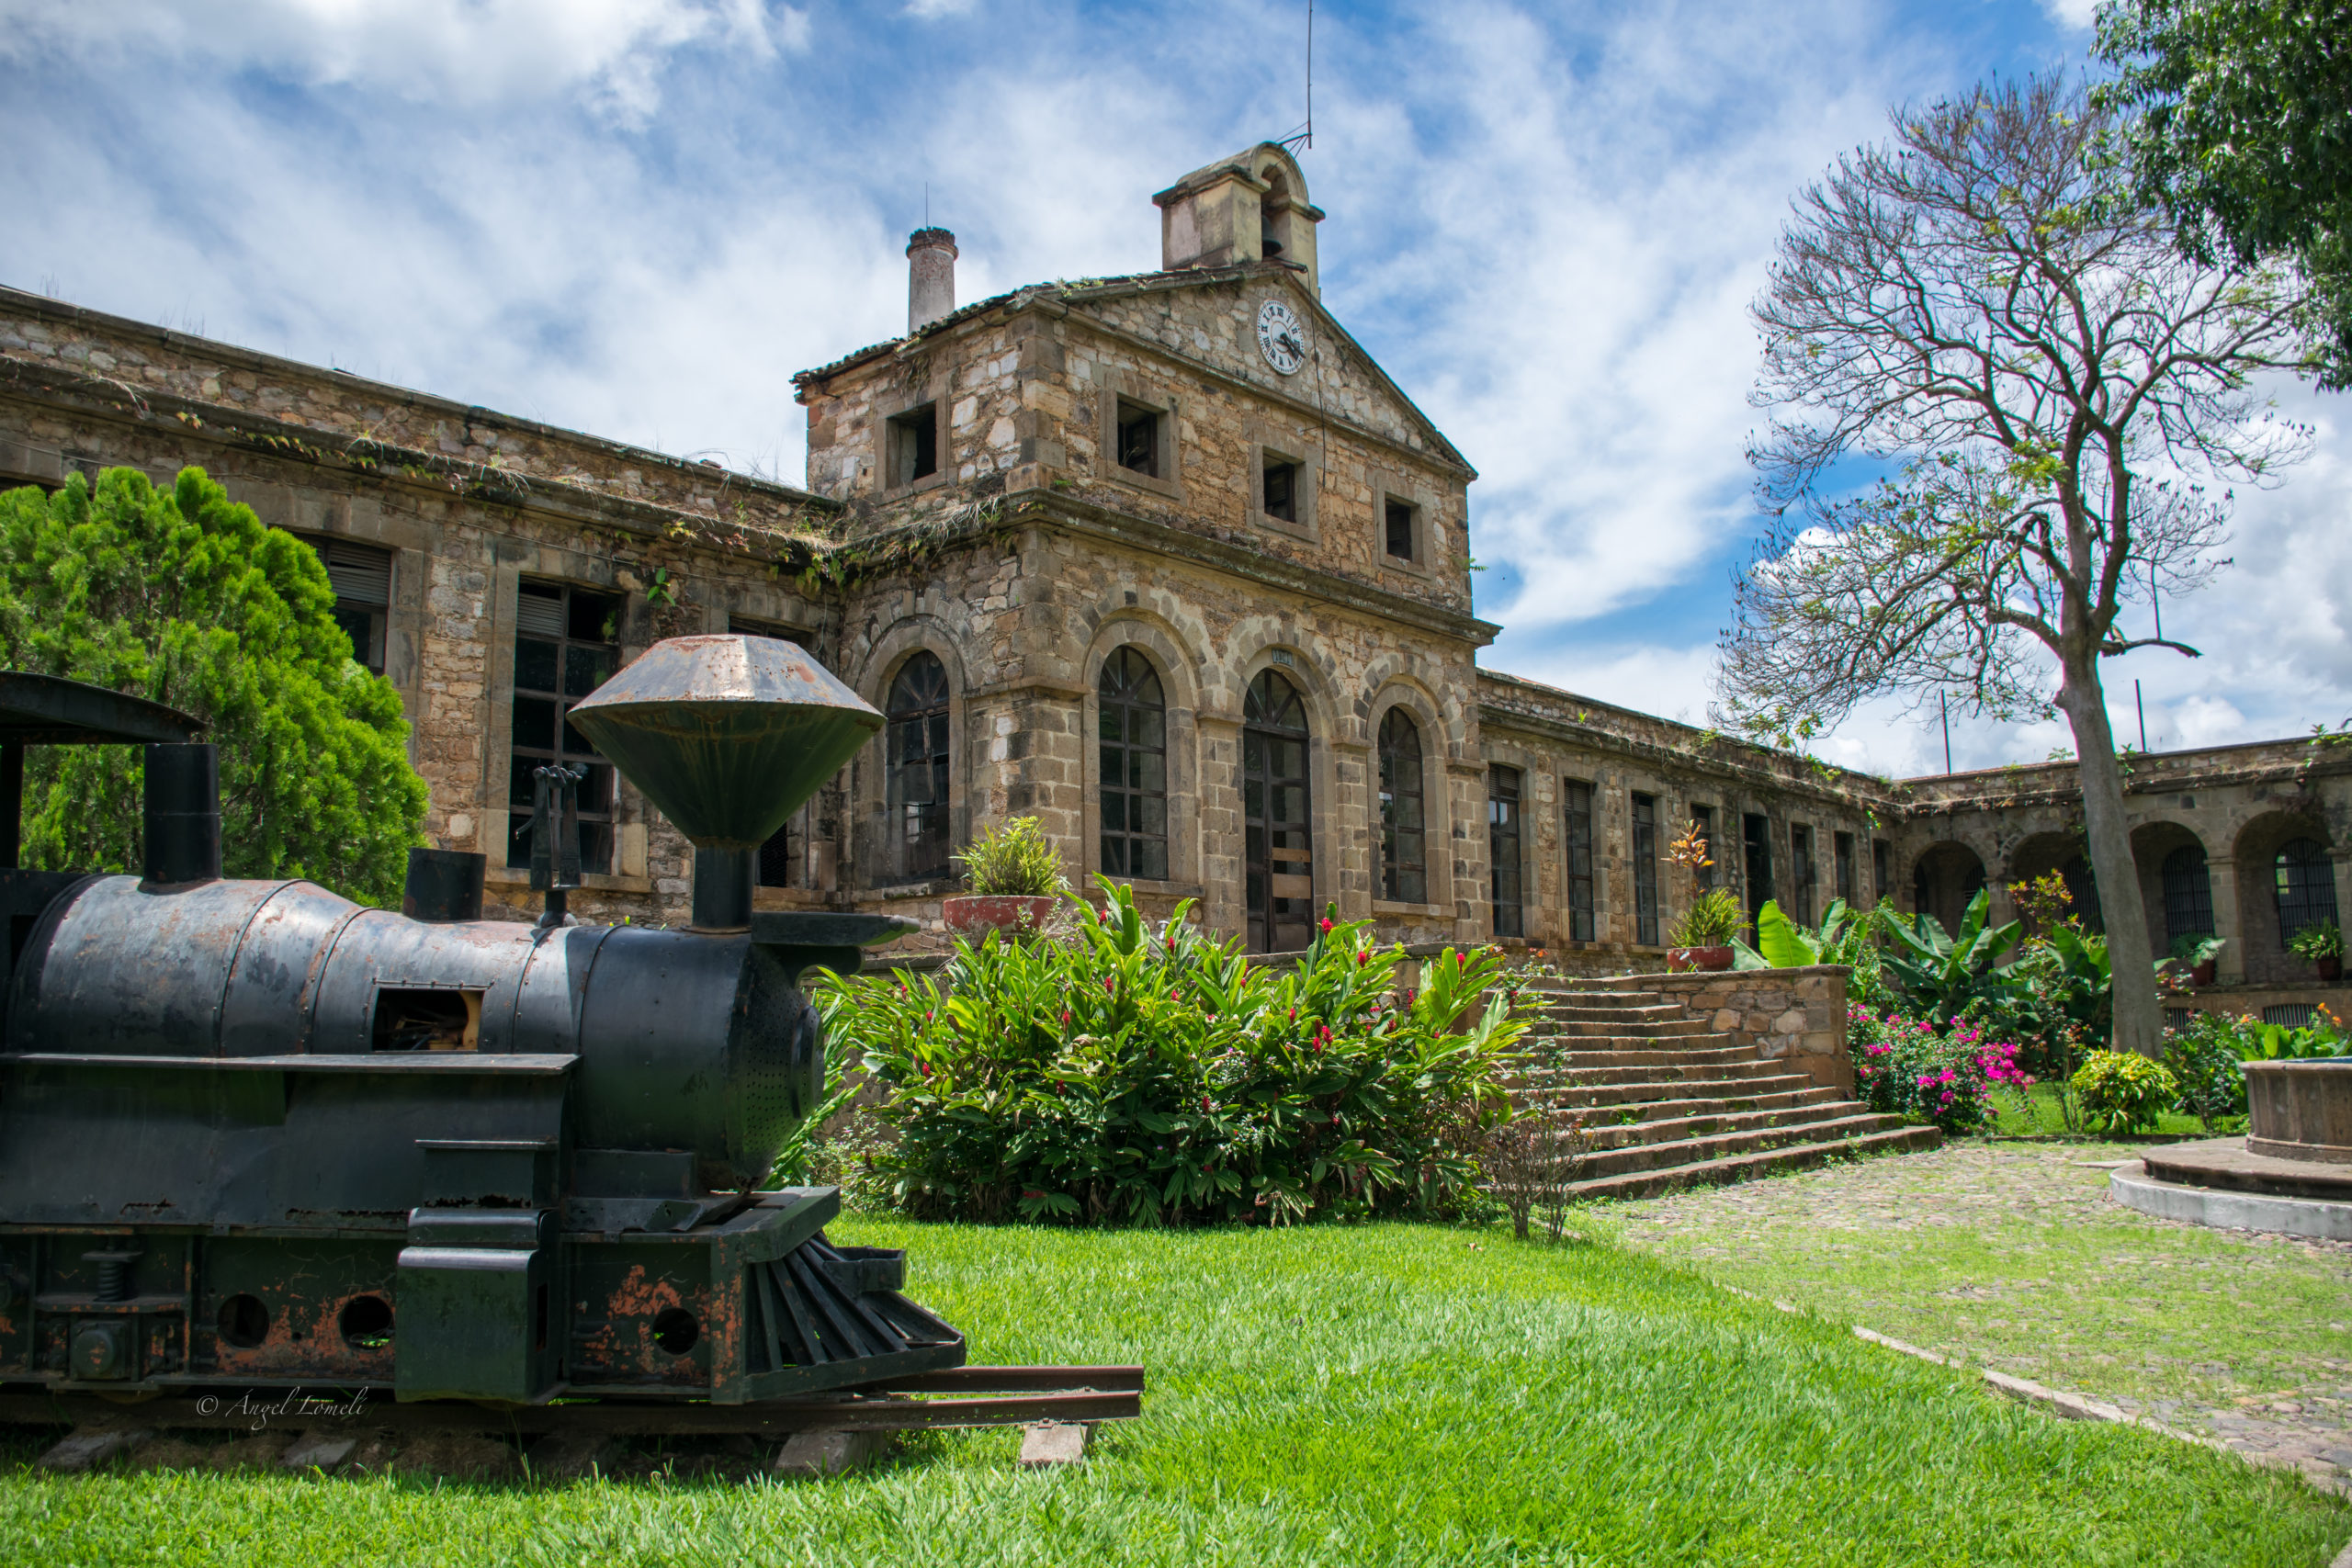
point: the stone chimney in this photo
(931, 276)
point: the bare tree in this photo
(1982, 314)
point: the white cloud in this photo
(2075, 14)
(462, 52)
(930, 10)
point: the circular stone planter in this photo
(1682, 960)
(2300, 1110)
(974, 915)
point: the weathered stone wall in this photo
(1796, 1016)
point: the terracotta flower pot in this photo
(1681, 960)
(2330, 969)
(974, 915)
(2203, 974)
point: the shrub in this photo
(2123, 1091)
(1154, 1075)
(1902, 1068)
(2319, 940)
(2204, 1057)
(1016, 859)
(183, 596)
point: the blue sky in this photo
(640, 217)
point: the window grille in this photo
(1801, 874)
(1646, 870)
(1131, 742)
(1404, 875)
(1502, 850)
(1577, 831)
(2189, 893)
(2082, 886)
(2305, 884)
(1756, 856)
(918, 782)
(361, 576)
(1842, 846)
(1276, 817)
(1703, 877)
(566, 645)
(2289, 1015)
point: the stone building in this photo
(1165, 560)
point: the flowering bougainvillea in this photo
(1903, 1067)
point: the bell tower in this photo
(1250, 207)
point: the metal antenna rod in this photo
(2144, 715)
(1946, 704)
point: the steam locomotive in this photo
(252, 1133)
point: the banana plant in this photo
(1781, 943)
(1945, 972)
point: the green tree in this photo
(187, 598)
(1981, 311)
(2241, 129)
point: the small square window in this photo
(1139, 438)
(914, 445)
(1281, 489)
(1400, 528)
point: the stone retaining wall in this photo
(1792, 1015)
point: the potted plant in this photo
(1702, 938)
(2196, 956)
(2320, 945)
(1014, 879)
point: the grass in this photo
(1381, 1395)
(2037, 1113)
(2012, 1255)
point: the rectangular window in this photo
(1703, 877)
(1139, 438)
(1844, 843)
(1502, 849)
(1801, 874)
(567, 643)
(1399, 522)
(914, 445)
(1646, 870)
(1882, 868)
(1281, 489)
(1755, 858)
(1576, 829)
(361, 576)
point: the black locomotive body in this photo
(252, 1133)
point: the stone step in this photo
(1639, 1056)
(1741, 1168)
(1667, 1072)
(1740, 1094)
(1660, 1029)
(1723, 1145)
(1631, 1012)
(1670, 1128)
(1626, 1113)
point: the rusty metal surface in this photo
(727, 735)
(48, 710)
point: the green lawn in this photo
(2037, 1112)
(1385, 1394)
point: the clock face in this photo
(1280, 337)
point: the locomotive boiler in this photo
(252, 1133)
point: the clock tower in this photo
(1250, 207)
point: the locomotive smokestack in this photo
(931, 276)
(443, 884)
(183, 816)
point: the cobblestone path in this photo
(2013, 1256)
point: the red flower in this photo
(1326, 924)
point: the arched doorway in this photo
(1943, 880)
(1276, 807)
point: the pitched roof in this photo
(1084, 290)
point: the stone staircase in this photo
(1667, 1104)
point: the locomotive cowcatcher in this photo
(254, 1135)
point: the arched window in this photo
(1404, 860)
(2306, 886)
(1133, 736)
(918, 770)
(1278, 856)
(2189, 893)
